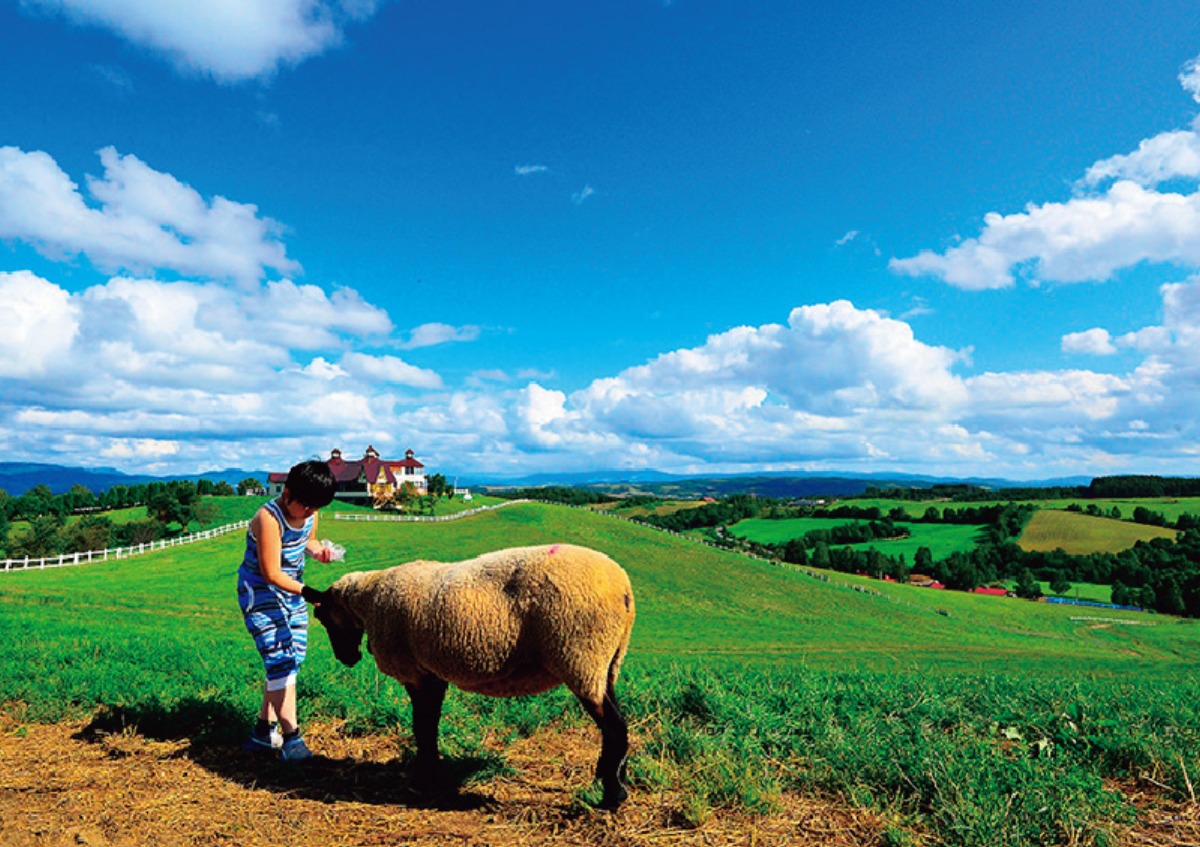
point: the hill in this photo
(749, 685)
(1080, 534)
(18, 477)
(781, 485)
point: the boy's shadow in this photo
(215, 730)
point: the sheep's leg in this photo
(427, 695)
(614, 746)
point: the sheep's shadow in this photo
(214, 732)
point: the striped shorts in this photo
(278, 623)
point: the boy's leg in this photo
(282, 703)
(267, 713)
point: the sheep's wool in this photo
(507, 623)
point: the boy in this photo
(269, 593)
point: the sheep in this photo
(505, 624)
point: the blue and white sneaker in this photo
(268, 743)
(294, 749)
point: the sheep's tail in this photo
(614, 666)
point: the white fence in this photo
(371, 517)
(71, 559)
(82, 558)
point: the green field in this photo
(231, 509)
(983, 721)
(941, 539)
(1078, 534)
(1170, 507)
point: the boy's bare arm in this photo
(270, 553)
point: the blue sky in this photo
(948, 238)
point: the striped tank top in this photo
(294, 543)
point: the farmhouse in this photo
(370, 479)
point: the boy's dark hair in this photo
(312, 484)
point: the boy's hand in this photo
(324, 555)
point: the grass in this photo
(941, 539)
(1169, 507)
(1082, 591)
(981, 720)
(1078, 533)
(664, 507)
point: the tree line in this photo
(1161, 574)
(171, 507)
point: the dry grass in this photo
(1080, 534)
(68, 784)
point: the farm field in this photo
(1170, 507)
(941, 539)
(666, 507)
(755, 693)
(1077, 533)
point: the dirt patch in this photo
(69, 784)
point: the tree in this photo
(43, 538)
(166, 508)
(1059, 584)
(138, 532)
(923, 560)
(249, 485)
(204, 511)
(79, 498)
(1027, 587)
(92, 532)
(795, 553)
(405, 495)
(436, 485)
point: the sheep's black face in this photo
(345, 635)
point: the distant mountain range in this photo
(775, 484)
(18, 477)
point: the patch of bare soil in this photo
(1162, 821)
(70, 784)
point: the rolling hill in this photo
(1079, 534)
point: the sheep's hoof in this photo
(613, 797)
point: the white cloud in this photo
(146, 220)
(1189, 78)
(389, 369)
(526, 170)
(1095, 235)
(1096, 342)
(160, 375)
(1087, 238)
(431, 334)
(39, 325)
(847, 238)
(137, 359)
(1049, 397)
(583, 194)
(1167, 156)
(229, 40)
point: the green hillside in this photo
(744, 678)
(941, 539)
(1078, 534)
(692, 600)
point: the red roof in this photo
(370, 466)
(994, 592)
(407, 462)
